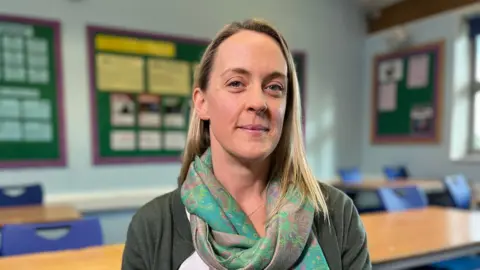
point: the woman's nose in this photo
(257, 101)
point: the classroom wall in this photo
(333, 43)
(432, 161)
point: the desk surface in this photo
(395, 236)
(428, 185)
(95, 258)
(37, 214)
(391, 236)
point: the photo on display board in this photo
(149, 111)
(122, 110)
(174, 112)
(422, 119)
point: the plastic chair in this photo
(458, 190)
(402, 198)
(350, 175)
(395, 172)
(31, 194)
(464, 263)
(23, 238)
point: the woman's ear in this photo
(200, 103)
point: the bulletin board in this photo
(407, 95)
(140, 94)
(31, 94)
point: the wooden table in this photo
(395, 240)
(94, 258)
(37, 213)
(430, 186)
(413, 238)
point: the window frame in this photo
(475, 88)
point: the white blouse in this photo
(194, 262)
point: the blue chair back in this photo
(395, 172)
(23, 238)
(350, 175)
(459, 190)
(28, 195)
(402, 198)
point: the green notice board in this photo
(141, 90)
(31, 112)
(407, 95)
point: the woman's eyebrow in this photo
(236, 70)
(272, 75)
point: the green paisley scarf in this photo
(225, 238)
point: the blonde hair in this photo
(289, 157)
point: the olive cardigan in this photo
(159, 236)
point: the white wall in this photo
(437, 160)
(330, 31)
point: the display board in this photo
(407, 95)
(141, 87)
(31, 110)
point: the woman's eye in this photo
(235, 84)
(275, 87)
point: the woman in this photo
(247, 198)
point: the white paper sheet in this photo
(174, 120)
(10, 131)
(13, 59)
(390, 71)
(37, 75)
(37, 45)
(418, 72)
(122, 140)
(37, 109)
(174, 140)
(387, 97)
(122, 110)
(12, 43)
(38, 131)
(15, 74)
(150, 140)
(10, 108)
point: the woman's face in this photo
(246, 97)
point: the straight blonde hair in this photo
(289, 161)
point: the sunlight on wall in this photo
(321, 144)
(459, 133)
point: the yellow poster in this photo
(120, 73)
(134, 45)
(195, 66)
(169, 77)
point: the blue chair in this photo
(23, 238)
(460, 193)
(395, 172)
(402, 198)
(458, 190)
(464, 263)
(350, 175)
(29, 194)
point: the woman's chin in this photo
(251, 154)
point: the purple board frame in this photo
(91, 30)
(433, 138)
(62, 160)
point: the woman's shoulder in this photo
(335, 198)
(158, 208)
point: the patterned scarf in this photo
(225, 238)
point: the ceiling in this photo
(373, 6)
(378, 3)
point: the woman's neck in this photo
(243, 181)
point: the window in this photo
(475, 105)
